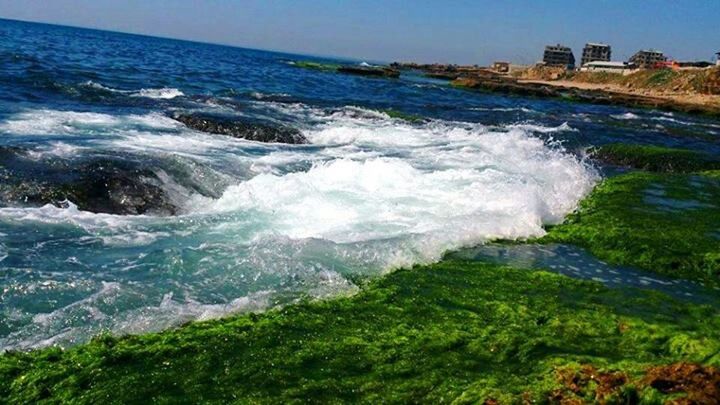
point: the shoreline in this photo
(593, 93)
(689, 91)
(692, 100)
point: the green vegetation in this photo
(454, 331)
(656, 158)
(660, 77)
(666, 223)
(330, 67)
(403, 116)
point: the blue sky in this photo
(386, 30)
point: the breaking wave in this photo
(161, 93)
(370, 194)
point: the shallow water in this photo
(575, 262)
(274, 222)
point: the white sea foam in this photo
(503, 109)
(543, 129)
(164, 93)
(56, 122)
(626, 116)
(160, 93)
(372, 193)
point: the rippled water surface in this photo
(259, 224)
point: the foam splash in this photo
(626, 116)
(165, 93)
(371, 194)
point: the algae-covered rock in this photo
(377, 71)
(463, 332)
(661, 222)
(330, 67)
(656, 158)
(250, 130)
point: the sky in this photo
(447, 31)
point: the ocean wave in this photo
(160, 93)
(564, 127)
(58, 122)
(371, 193)
(626, 116)
(504, 109)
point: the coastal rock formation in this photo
(377, 71)
(112, 185)
(506, 85)
(360, 70)
(252, 131)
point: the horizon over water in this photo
(240, 225)
(199, 42)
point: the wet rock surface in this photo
(378, 71)
(104, 184)
(250, 130)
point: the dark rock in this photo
(369, 71)
(252, 131)
(115, 185)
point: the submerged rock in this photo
(122, 185)
(252, 131)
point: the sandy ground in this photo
(678, 97)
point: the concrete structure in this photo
(717, 62)
(610, 67)
(501, 67)
(559, 55)
(595, 52)
(648, 58)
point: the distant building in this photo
(501, 67)
(717, 62)
(648, 58)
(558, 55)
(610, 67)
(595, 52)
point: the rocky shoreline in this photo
(484, 79)
(505, 85)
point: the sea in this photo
(258, 225)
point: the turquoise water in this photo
(247, 225)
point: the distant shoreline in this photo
(690, 91)
(706, 103)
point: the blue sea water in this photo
(258, 225)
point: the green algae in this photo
(454, 331)
(656, 158)
(403, 116)
(328, 67)
(661, 222)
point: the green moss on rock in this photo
(656, 158)
(454, 331)
(403, 116)
(665, 223)
(330, 67)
